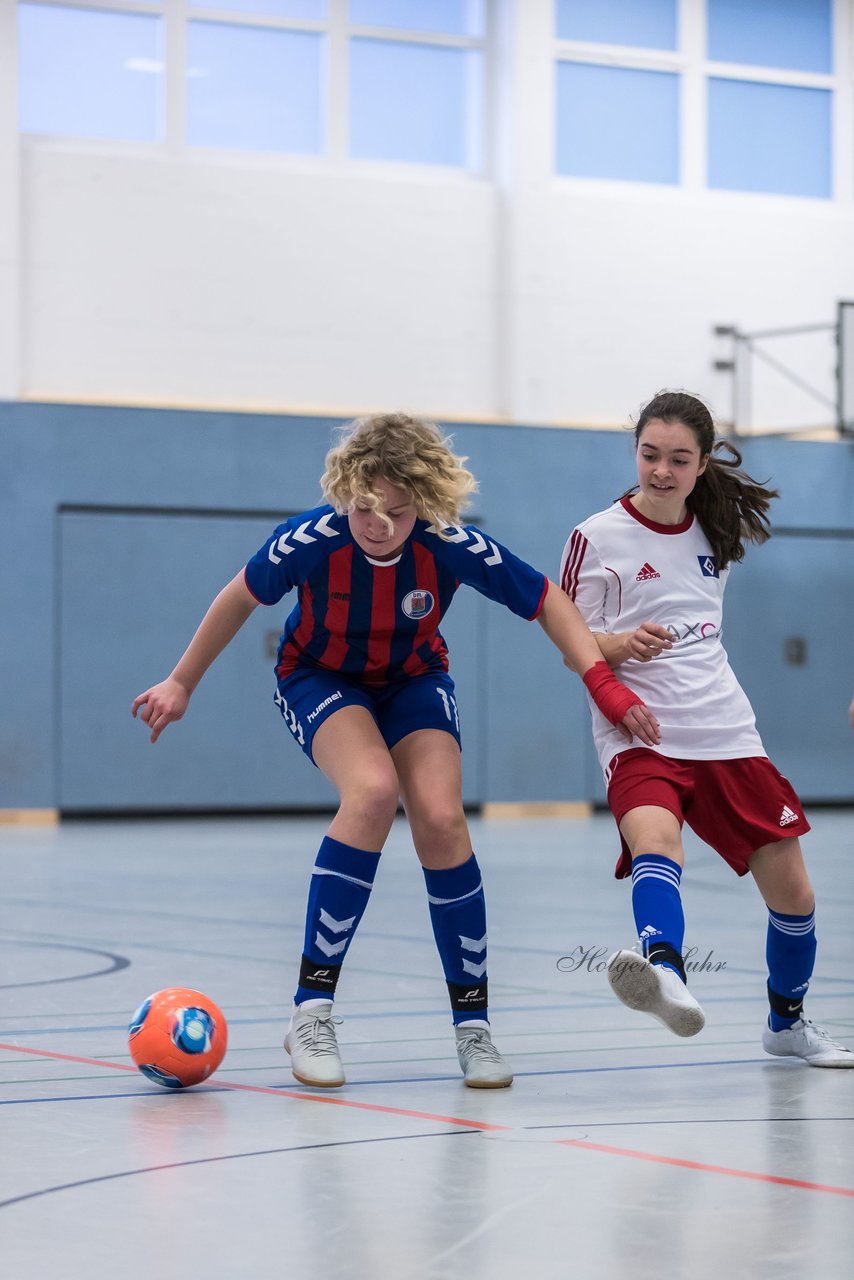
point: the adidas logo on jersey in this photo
(647, 573)
(787, 816)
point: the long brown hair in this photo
(730, 506)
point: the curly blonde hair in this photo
(411, 454)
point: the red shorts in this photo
(736, 806)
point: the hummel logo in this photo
(283, 546)
(454, 533)
(646, 573)
(787, 816)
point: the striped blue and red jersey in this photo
(378, 621)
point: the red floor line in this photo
(366, 1106)
(68, 1057)
(673, 1161)
(276, 1093)
(705, 1168)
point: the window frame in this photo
(337, 30)
(695, 69)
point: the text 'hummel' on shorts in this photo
(308, 697)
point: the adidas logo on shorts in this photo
(787, 816)
(646, 573)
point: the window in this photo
(253, 88)
(389, 80)
(647, 24)
(404, 82)
(794, 34)
(769, 137)
(766, 136)
(617, 122)
(90, 72)
(764, 83)
(412, 98)
(415, 102)
(618, 113)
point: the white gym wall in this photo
(170, 275)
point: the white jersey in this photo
(622, 569)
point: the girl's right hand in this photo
(161, 704)
(640, 722)
(648, 641)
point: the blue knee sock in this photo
(458, 916)
(657, 907)
(340, 887)
(790, 954)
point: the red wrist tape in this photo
(611, 697)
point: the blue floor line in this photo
(356, 1084)
(496, 1011)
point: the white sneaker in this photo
(482, 1065)
(313, 1048)
(657, 990)
(806, 1040)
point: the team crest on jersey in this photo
(709, 566)
(417, 604)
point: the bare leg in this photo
(782, 879)
(651, 829)
(349, 749)
(428, 765)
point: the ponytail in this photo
(730, 506)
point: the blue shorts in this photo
(309, 696)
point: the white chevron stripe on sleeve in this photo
(473, 944)
(479, 544)
(302, 536)
(322, 526)
(282, 546)
(476, 970)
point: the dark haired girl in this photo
(648, 576)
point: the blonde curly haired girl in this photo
(411, 454)
(363, 686)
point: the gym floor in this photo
(619, 1151)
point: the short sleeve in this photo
(479, 561)
(292, 551)
(584, 579)
(269, 575)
